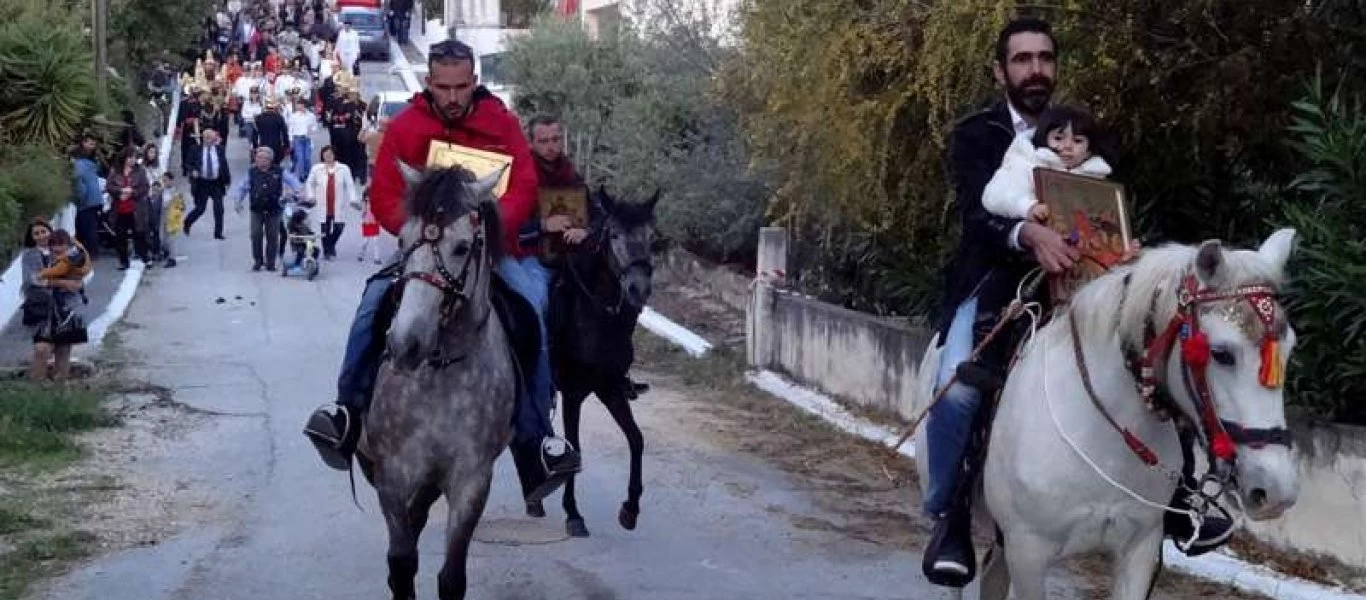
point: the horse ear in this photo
(650, 204)
(1209, 260)
(1277, 248)
(608, 204)
(410, 175)
(485, 184)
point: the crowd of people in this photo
(291, 69)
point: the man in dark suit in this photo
(994, 254)
(271, 130)
(209, 180)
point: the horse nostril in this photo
(1258, 498)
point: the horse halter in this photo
(597, 246)
(451, 286)
(1223, 435)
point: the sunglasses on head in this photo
(450, 50)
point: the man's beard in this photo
(1031, 102)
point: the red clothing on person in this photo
(489, 126)
(272, 63)
(331, 194)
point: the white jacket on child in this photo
(1010, 193)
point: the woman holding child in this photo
(54, 267)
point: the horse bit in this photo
(452, 287)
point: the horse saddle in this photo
(522, 326)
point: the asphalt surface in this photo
(257, 352)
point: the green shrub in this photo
(46, 64)
(1327, 296)
(642, 115)
(848, 105)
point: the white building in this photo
(602, 15)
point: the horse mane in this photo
(441, 194)
(1123, 301)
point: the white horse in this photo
(1061, 480)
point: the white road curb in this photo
(405, 70)
(118, 305)
(661, 326)
(1218, 567)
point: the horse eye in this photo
(461, 249)
(1223, 356)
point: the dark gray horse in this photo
(444, 396)
(598, 295)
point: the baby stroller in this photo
(302, 238)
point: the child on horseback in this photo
(995, 253)
(1066, 139)
(455, 109)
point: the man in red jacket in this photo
(455, 109)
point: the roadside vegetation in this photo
(39, 429)
(1231, 118)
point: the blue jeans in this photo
(950, 423)
(301, 150)
(365, 348)
(529, 279)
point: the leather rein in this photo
(1222, 436)
(452, 286)
(612, 309)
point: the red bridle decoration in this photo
(1195, 353)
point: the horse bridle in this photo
(451, 286)
(597, 245)
(1222, 436)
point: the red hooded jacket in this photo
(489, 126)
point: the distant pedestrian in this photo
(369, 234)
(209, 180)
(331, 187)
(271, 130)
(88, 196)
(264, 187)
(158, 238)
(151, 157)
(128, 186)
(301, 123)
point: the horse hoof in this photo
(627, 518)
(535, 510)
(576, 528)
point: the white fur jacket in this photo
(1010, 193)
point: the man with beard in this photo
(455, 109)
(994, 254)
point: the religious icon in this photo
(571, 202)
(479, 162)
(1090, 215)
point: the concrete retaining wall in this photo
(851, 355)
(680, 267)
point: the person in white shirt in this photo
(331, 189)
(251, 107)
(302, 123)
(313, 51)
(348, 47)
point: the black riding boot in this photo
(1215, 529)
(334, 430)
(950, 560)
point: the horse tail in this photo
(926, 378)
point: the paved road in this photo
(714, 525)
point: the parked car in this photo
(369, 24)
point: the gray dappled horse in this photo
(445, 392)
(594, 304)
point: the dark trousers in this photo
(88, 229)
(205, 192)
(265, 225)
(125, 230)
(332, 231)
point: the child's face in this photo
(59, 247)
(1073, 149)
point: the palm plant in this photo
(45, 65)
